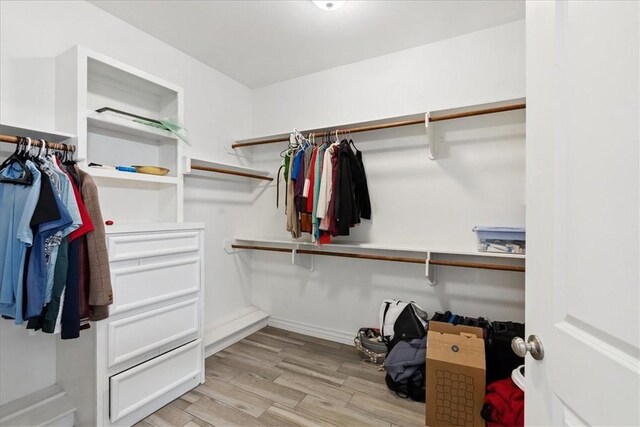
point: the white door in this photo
(583, 190)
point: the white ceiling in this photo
(263, 42)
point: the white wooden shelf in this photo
(354, 247)
(51, 136)
(200, 167)
(129, 127)
(132, 176)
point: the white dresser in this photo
(150, 349)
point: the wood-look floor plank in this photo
(272, 341)
(278, 336)
(336, 414)
(244, 364)
(199, 422)
(220, 372)
(220, 415)
(257, 354)
(270, 348)
(385, 410)
(193, 423)
(308, 385)
(142, 423)
(169, 416)
(191, 396)
(281, 416)
(340, 353)
(305, 357)
(310, 339)
(363, 372)
(235, 397)
(381, 391)
(181, 404)
(268, 389)
(312, 370)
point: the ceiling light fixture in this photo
(329, 4)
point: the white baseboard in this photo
(233, 328)
(47, 407)
(312, 330)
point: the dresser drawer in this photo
(136, 387)
(146, 284)
(135, 335)
(136, 246)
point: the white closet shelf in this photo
(391, 253)
(201, 167)
(354, 247)
(398, 121)
(129, 127)
(154, 180)
(24, 131)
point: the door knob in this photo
(533, 345)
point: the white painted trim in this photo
(48, 406)
(233, 328)
(312, 330)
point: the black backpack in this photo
(405, 366)
(412, 388)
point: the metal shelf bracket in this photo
(433, 138)
(430, 271)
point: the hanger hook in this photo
(43, 145)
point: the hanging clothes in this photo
(53, 256)
(18, 205)
(327, 191)
(100, 292)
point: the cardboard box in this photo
(455, 375)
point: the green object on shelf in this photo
(167, 124)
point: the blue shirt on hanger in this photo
(48, 234)
(18, 204)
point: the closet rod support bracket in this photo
(433, 138)
(301, 261)
(430, 271)
(228, 249)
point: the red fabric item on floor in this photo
(507, 404)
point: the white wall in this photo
(479, 179)
(480, 67)
(216, 109)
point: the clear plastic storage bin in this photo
(509, 240)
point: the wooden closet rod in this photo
(462, 264)
(367, 128)
(231, 172)
(36, 143)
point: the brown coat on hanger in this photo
(100, 293)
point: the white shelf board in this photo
(385, 120)
(129, 127)
(131, 176)
(377, 247)
(145, 227)
(51, 136)
(219, 165)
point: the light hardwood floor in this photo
(280, 378)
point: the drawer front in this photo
(135, 387)
(125, 247)
(139, 334)
(141, 285)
